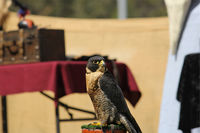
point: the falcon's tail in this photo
(128, 125)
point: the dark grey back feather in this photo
(112, 90)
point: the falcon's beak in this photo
(102, 63)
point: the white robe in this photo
(190, 43)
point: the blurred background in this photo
(139, 37)
(94, 8)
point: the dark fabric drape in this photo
(189, 93)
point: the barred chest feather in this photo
(104, 108)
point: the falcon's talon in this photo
(118, 122)
(104, 125)
(112, 128)
(96, 123)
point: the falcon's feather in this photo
(115, 95)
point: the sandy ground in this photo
(140, 43)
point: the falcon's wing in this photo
(115, 95)
(113, 92)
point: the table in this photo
(61, 77)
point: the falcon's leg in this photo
(112, 128)
(103, 129)
(104, 119)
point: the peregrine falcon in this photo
(107, 97)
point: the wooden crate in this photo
(31, 45)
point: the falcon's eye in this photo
(95, 62)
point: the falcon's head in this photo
(96, 64)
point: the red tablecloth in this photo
(61, 77)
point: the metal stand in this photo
(58, 120)
(4, 114)
(67, 108)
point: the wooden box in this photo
(31, 45)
